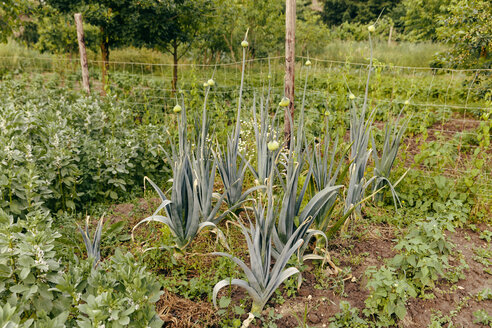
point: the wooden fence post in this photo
(290, 41)
(390, 34)
(83, 55)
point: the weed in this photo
(347, 317)
(482, 317)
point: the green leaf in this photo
(400, 311)
(224, 302)
(24, 273)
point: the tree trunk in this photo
(175, 66)
(290, 33)
(105, 59)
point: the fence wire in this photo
(452, 99)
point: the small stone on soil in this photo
(313, 318)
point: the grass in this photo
(400, 54)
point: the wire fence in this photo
(450, 105)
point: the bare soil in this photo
(321, 292)
(319, 303)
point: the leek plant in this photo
(290, 207)
(189, 210)
(326, 172)
(262, 278)
(265, 134)
(92, 245)
(204, 167)
(231, 162)
(290, 210)
(360, 131)
(384, 164)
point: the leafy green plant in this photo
(122, 292)
(423, 254)
(484, 294)
(30, 270)
(388, 295)
(482, 317)
(422, 259)
(38, 291)
(228, 314)
(486, 235)
(347, 317)
(483, 256)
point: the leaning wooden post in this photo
(390, 34)
(290, 41)
(83, 55)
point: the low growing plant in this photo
(347, 317)
(388, 295)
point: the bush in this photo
(35, 289)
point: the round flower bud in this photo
(371, 28)
(244, 43)
(273, 145)
(308, 63)
(177, 109)
(269, 76)
(407, 102)
(351, 96)
(284, 102)
(211, 82)
(205, 84)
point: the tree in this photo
(311, 33)
(116, 20)
(172, 26)
(11, 12)
(421, 18)
(335, 12)
(52, 31)
(229, 20)
(468, 28)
